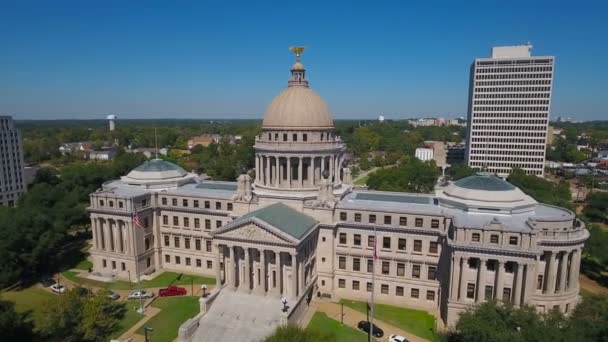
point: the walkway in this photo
(150, 312)
(236, 316)
(353, 317)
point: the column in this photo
(302, 280)
(275, 174)
(463, 284)
(322, 166)
(106, 235)
(120, 236)
(530, 287)
(95, 232)
(500, 280)
(246, 270)
(234, 266)
(127, 237)
(572, 280)
(266, 170)
(332, 168)
(518, 284)
(294, 275)
(552, 274)
(263, 277)
(257, 168)
(455, 277)
(218, 269)
(311, 168)
(481, 279)
(300, 166)
(563, 272)
(289, 173)
(283, 275)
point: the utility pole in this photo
(342, 314)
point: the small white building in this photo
(424, 153)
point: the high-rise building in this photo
(508, 114)
(12, 184)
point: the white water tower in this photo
(381, 118)
(111, 118)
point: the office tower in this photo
(12, 184)
(508, 113)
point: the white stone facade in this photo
(296, 227)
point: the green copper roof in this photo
(484, 181)
(157, 165)
(284, 218)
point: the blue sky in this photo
(210, 59)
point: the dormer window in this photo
(493, 238)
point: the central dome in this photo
(297, 107)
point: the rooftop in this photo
(484, 181)
(283, 217)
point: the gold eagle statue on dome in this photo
(297, 50)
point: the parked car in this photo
(397, 338)
(364, 326)
(172, 291)
(140, 294)
(47, 281)
(57, 288)
(113, 295)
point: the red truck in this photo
(172, 291)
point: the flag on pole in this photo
(136, 220)
(375, 249)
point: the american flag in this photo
(136, 220)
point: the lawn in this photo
(322, 323)
(174, 312)
(417, 322)
(84, 265)
(362, 181)
(130, 319)
(31, 300)
(162, 280)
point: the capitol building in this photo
(295, 227)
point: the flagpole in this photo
(371, 316)
(141, 303)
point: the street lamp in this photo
(204, 289)
(146, 329)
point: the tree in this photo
(589, 321)
(597, 207)
(293, 333)
(411, 175)
(542, 190)
(14, 326)
(459, 171)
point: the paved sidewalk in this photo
(353, 317)
(150, 312)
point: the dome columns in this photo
(285, 171)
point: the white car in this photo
(397, 338)
(57, 288)
(140, 294)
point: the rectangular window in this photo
(197, 244)
(187, 243)
(165, 219)
(401, 244)
(372, 218)
(120, 205)
(207, 224)
(208, 245)
(356, 264)
(386, 267)
(166, 240)
(387, 219)
(355, 285)
(432, 273)
(144, 202)
(400, 269)
(369, 287)
(539, 282)
(294, 137)
(111, 204)
(342, 263)
(357, 239)
(304, 137)
(434, 223)
(113, 265)
(370, 241)
(357, 217)
(187, 261)
(489, 292)
(386, 242)
(342, 216)
(207, 204)
(415, 293)
(184, 204)
(197, 223)
(175, 221)
(506, 295)
(343, 238)
(209, 264)
(417, 245)
(513, 240)
(416, 271)
(195, 203)
(186, 222)
(471, 290)
(430, 295)
(229, 206)
(370, 265)
(167, 258)
(123, 266)
(433, 247)
(399, 291)
(101, 205)
(341, 283)
(163, 200)
(199, 263)
(493, 238)
(176, 242)
(403, 221)
(418, 222)
(174, 201)
(218, 205)
(384, 289)
(218, 224)
(475, 237)
(178, 260)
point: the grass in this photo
(31, 300)
(162, 280)
(323, 324)
(417, 322)
(174, 312)
(130, 319)
(362, 180)
(84, 265)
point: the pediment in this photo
(253, 232)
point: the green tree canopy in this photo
(411, 175)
